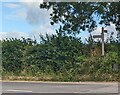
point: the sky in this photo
(24, 18)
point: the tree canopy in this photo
(76, 16)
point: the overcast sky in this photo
(24, 18)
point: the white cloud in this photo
(18, 14)
(35, 15)
(97, 31)
(21, 0)
(35, 32)
(26, 0)
(111, 29)
(42, 30)
(12, 5)
(17, 11)
(12, 34)
(8, 0)
(29, 11)
(31, 1)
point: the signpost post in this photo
(102, 41)
(102, 37)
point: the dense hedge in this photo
(65, 56)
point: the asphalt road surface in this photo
(85, 88)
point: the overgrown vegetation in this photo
(59, 58)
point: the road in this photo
(57, 87)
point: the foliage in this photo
(11, 55)
(64, 57)
(57, 57)
(76, 16)
(57, 53)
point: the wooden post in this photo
(102, 37)
(102, 34)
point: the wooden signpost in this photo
(96, 36)
(102, 37)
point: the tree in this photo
(76, 16)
